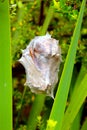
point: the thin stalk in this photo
(75, 104)
(15, 36)
(16, 124)
(39, 100)
(59, 105)
(35, 112)
(47, 20)
(5, 68)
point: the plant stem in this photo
(35, 112)
(16, 124)
(47, 20)
(39, 100)
(5, 68)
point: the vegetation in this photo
(66, 21)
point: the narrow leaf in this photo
(75, 104)
(5, 68)
(59, 105)
(76, 123)
(77, 120)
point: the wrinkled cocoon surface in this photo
(41, 60)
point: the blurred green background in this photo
(27, 18)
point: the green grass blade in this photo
(59, 105)
(47, 20)
(35, 112)
(75, 104)
(5, 68)
(81, 75)
(84, 126)
(76, 123)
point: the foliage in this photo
(5, 68)
(28, 19)
(25, 25)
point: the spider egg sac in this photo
(41, 60)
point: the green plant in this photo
(32, 121)
(63, 90)
(60, 22)
(5, 68)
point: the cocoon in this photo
(41, 60)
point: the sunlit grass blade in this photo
(75, 104)
(5, 68)
(76, 123)
(81, 75)
(59, 105)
